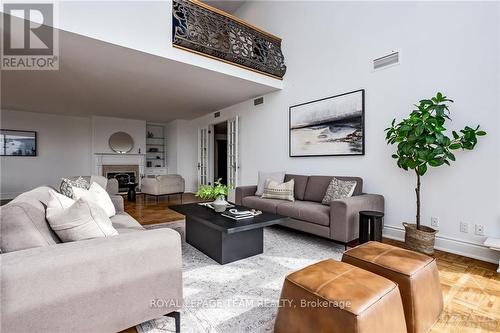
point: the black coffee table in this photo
(223, 239)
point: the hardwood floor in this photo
(147, 211)
(471, 288)
(471, 292)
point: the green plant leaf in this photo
(480, 133)
(436, 162)
(419, 130)
(422, 169)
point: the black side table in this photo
(131, 192)
(371, 224)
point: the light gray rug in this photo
(241, 296)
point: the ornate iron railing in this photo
(207, 31)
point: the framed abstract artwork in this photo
(17, 143)
(332, 126)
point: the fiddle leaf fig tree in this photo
(422, 141)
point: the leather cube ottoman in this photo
(416, 275)
(332, 296)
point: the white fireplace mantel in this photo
(101, 159)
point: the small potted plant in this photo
(217, 192)
(421, 142)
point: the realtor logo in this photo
(29, 40)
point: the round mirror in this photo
(121, 142)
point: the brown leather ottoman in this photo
(416, 275)
(332, 296)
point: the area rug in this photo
(241, 296)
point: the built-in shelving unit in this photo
(156, 147)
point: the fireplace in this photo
(123, 179)
(124, 174)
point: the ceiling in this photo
(229, 6)
(98, 78)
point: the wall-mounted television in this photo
(17, 143)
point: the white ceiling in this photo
(229, 6)
(98, 78)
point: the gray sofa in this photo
(339, 221)
(97, 285)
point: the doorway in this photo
(220, 152)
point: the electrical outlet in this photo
(435, 221)
(464, 227)
(479, 230)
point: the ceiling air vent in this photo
(386, 61)
(258, 101)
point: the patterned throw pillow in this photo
(339, 189)
(67, 184)
(275, 190)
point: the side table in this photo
(371, 224)
(131, 192)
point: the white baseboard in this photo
(449, 244)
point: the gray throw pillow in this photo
(339, 189)
(278, 177)
(67, 184)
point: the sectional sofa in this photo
(97, 285)
(338, 221)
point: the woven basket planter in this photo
(420, 240)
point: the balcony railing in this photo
(202, 29)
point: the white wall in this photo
(448, 47)
(172, 144)
(104, 127)
(498, 104)
(64, 149)
(182, 151)
(179, 135)
(66, 146)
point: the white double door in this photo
(206, 149)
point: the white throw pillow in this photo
(278, 177)
(57, 203)
(82, 220)
(97, 195)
